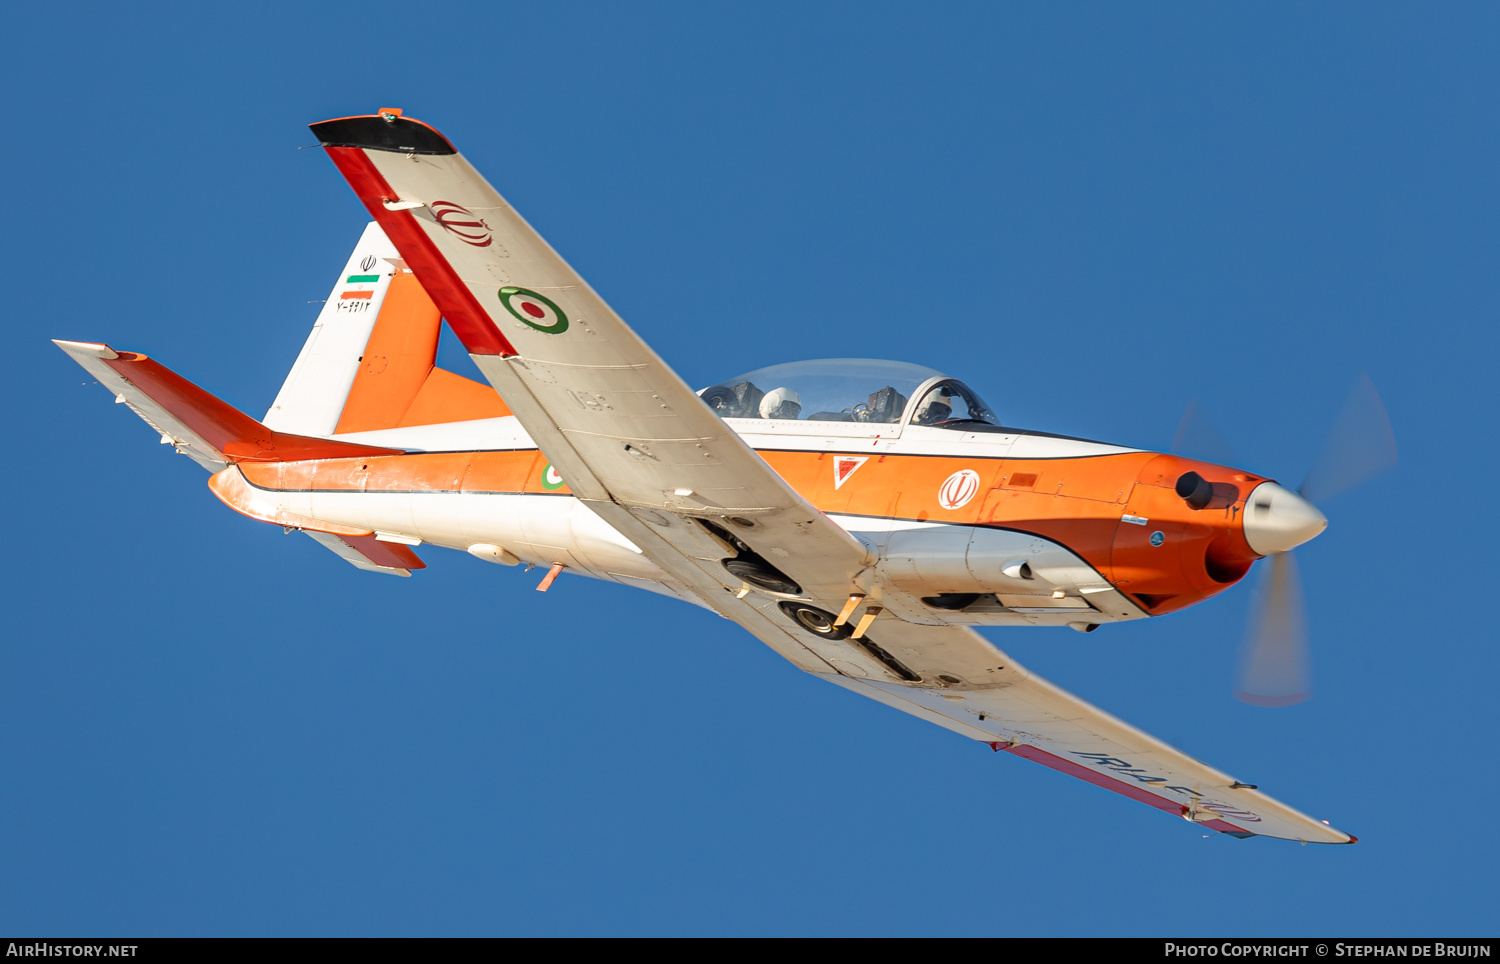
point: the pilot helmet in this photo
(781, 403)
(936, 407)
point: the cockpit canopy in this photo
(865, 390)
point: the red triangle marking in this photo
(844, 466)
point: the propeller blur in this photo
(1274, 662)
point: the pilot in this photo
(936, 407)
(741, 400)
(781, 403)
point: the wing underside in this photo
(1025, 715)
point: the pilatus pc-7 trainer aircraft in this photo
(859, 517)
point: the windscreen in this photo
(827, 390)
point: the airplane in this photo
(860, 517)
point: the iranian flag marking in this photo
(532, 309)
(844, 466)
(360, 292)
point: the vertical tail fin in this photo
(369, 362)
(399, 383)
(313, 395)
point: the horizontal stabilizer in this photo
(210, 431)
(370, 554)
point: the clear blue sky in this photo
(1094, 215)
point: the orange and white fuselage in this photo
(1100, 529)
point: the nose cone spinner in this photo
(1278, 519)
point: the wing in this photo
(954, 677)
(631, 439)
(1018, 711)
(640, 448)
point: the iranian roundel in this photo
(532, 309)
(460, 221)
(958, 488)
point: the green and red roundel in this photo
(532, 309)
(551, 481)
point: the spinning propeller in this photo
(1274, 667)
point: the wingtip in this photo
(89, 348)
(387, 130)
